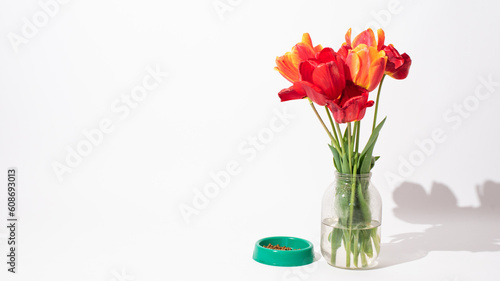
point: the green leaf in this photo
(345, 136)
(366, 155)
(355, 242)
(335, 239)
(368, 243)
(376, 239)
(362, 253)
(366, 162)
(347, 244)
(345, 164)
(374, 159)
(336, 158)
(363, 204)
(373, 137)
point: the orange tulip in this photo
(288, 64)
(397, 65)
(366, 65)
(366, 37)
(365, 60)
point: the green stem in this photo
(355, 252)
(376, 239)
(376, 103)
(347, 243)
(357, 126)
(321, 120)
(333, 127)
(341, 138)
(351, 213)
(349, 143)
(353, 193)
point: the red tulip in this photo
(398, 65)
(322, 80)
(352, 104)
(341, 81)
(288, 64)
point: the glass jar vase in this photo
(351, 218)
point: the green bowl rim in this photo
(309, 244)
(285, 258)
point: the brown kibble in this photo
(278, 247)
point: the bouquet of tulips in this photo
(340, 81)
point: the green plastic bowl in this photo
(302, 252)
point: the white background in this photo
(116, 215)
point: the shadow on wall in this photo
(453, 228)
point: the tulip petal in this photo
(306, 69)
(393, 56)
(352, 106)
(306, 39)
(381, 39)
(288, 64)
(357, 61)
(398, 65)
(292, 93)
(326, 55)
(354, 64)
(366, 37)
(329, 77)
(286, 67)
(366, 65)
(318, 48)
(346, 46)
(348, 38)
(302, 52)
(402, 72)
(376, 72)
(300, 90)
(343, 51)
(314, 93)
